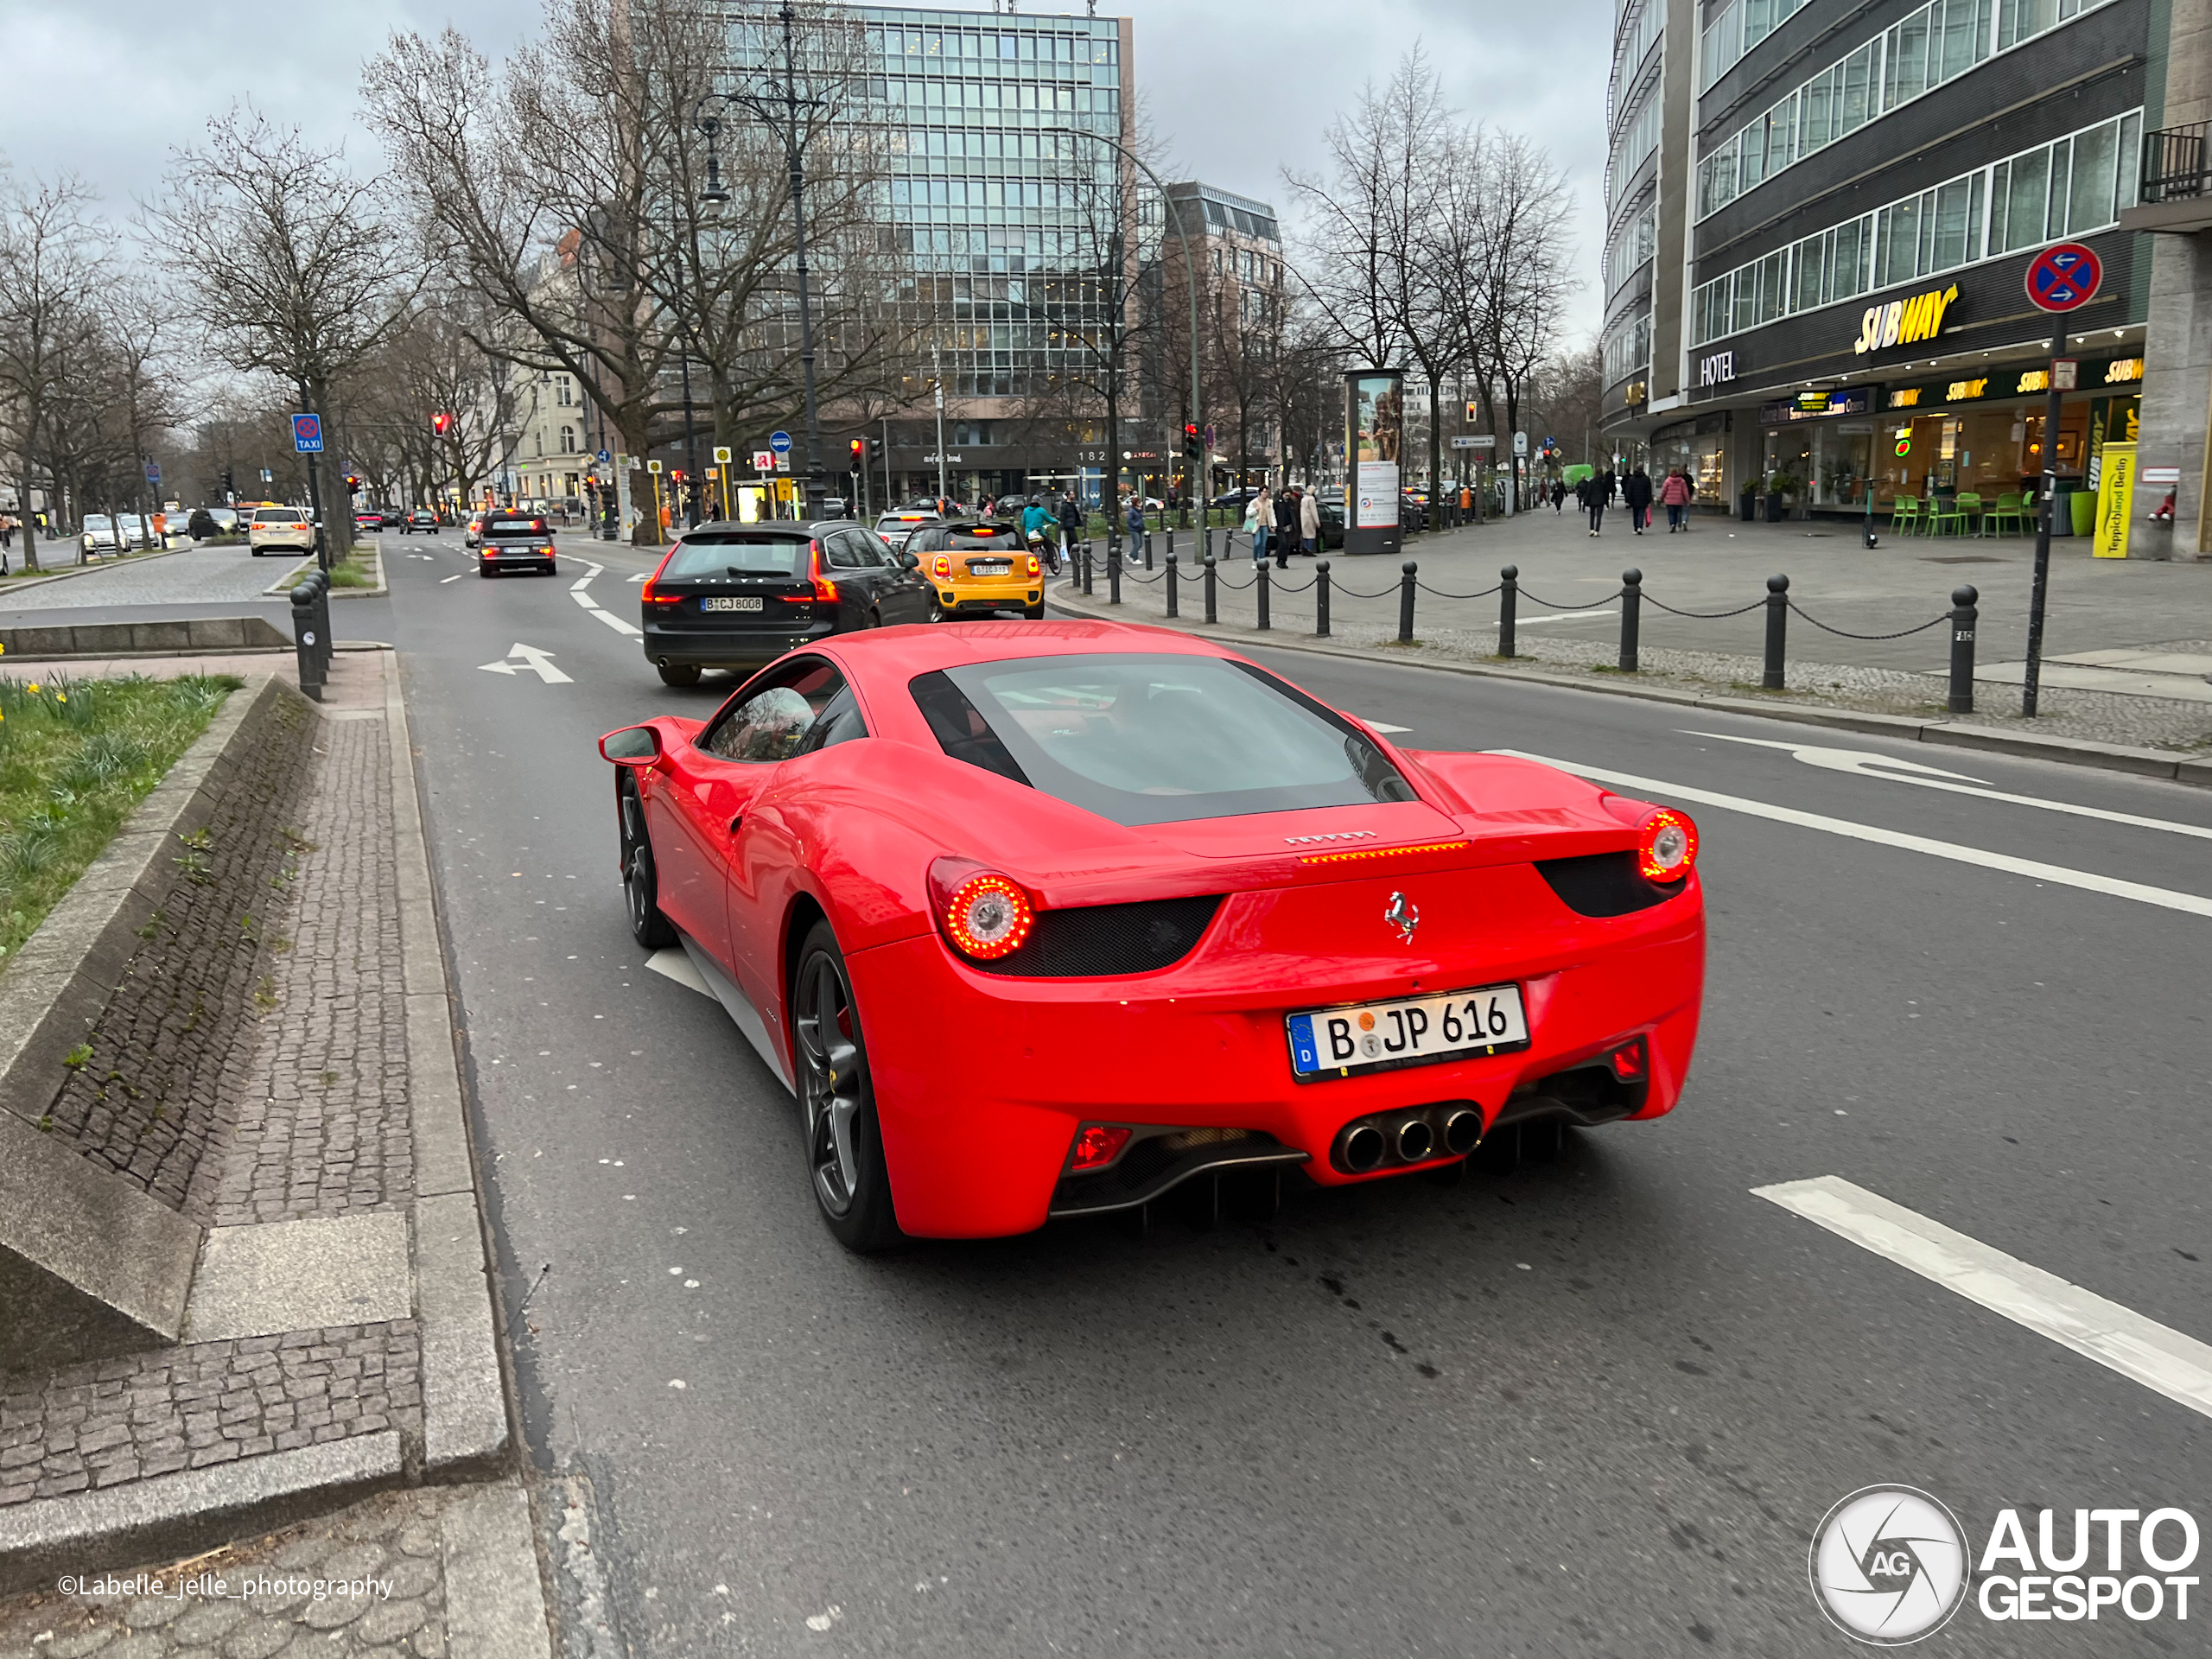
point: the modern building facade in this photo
(996, 205)
(1819, 220)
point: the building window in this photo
(567, 440)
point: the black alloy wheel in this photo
(837, 1090)
(640, 881)
(937, 608)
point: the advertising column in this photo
(1374, 405)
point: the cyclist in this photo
(1038, 526)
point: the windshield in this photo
(276, 516)
(526, 529)
(1154, 739)
(737, 553)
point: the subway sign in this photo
(1904, 322)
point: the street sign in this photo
(153, 472)
(722, 454)
(264, 475)
(1520, 444)
(653, 466)
(603, 458)
(306, 434)
(780, 442)
(1209, 437)
(2064, 277)
(764, 460)
(1477, 441)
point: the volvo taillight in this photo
(647, 596)
(825, 588)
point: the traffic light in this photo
(1472, 412)
(860, 454)
(1191, 440)
(441, 423)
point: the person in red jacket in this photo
(1674, 496)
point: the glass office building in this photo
(994, 200)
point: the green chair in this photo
(2008, 510)
(1969, 508)
(1942, 518)
(1905, 515)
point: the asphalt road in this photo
(1595, 1406)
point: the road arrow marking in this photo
(533, 661)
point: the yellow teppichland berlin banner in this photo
(2115, 493)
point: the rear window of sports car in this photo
(1154, 739)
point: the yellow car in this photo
(279, 530)
(976, 565)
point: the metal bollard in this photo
(1508, 602)
(323, 624)
(1173, 607)
(1964, 616)
(1631, 617)
(1778, 625)
(1114, 574)
(1148, 550)
(306, 639)
(1170, 529)
(1083, 573)
(1405, 602)
(1259, 582)
(1320, 599)
(1213, 612)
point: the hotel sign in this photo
(1716, 370)
(1904, 322)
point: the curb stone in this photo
(279, 590)
(24, 584)
(2173, 765)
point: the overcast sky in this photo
(1239, 89)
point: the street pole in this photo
(2031, 685)
(315, 506)
(887, 502)
(690, 497)
(936, 374)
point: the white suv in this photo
(278, 529)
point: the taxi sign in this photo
(306, 434)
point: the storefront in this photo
(1700, 447)
(1983, 434)
(1817, 449)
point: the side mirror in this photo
(909, 561)
(633, 745)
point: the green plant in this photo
(78, 1058)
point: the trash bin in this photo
(2081, 505)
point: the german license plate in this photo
(1417, 1031)
(739, 602)
(989, 567)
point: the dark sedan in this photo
(740, 595)
(419, 518)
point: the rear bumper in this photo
(975, 596)
(536, 559)
(698, 647)
(978, 1149)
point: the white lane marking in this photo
(1559, 616)
(1860, 761)
(583, 599)
(642, 575)
(673, 963)
(2056, 874)
(456, 577)
(2161, 1359)
(618, 624)
(533, 661)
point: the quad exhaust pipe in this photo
(1461, 1131)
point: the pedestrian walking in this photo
(1559, 495)
(1601, 492)
(1136, 520)
(1636, 493)
(1674, 496)
(1288, 534)
(1071, 524)
(1309, 523)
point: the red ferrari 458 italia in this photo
(1043, 920)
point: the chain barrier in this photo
(1437, 593)
(1845, 633)
(1701, 616)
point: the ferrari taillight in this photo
(1098, 1146)
(1666, 846)
(941, 567)
(825, 588)
(986, 915)
(647, 596)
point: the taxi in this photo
(977, 566)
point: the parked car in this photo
(898, 524)
(279, 530)
(474, 532)
(740, 595)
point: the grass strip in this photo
(76, 756)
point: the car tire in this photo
(641, 883)
(936, 608)
(679, 673)
(1034, 613)
(845, 1166)
(483, 570)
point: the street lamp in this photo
(777, 102)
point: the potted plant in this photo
(1776, 509)
(1747, 499)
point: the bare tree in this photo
(49, 256)
(1521, 217)
(291, 265)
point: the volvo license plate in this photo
(1416, 1030)
(729, 603)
